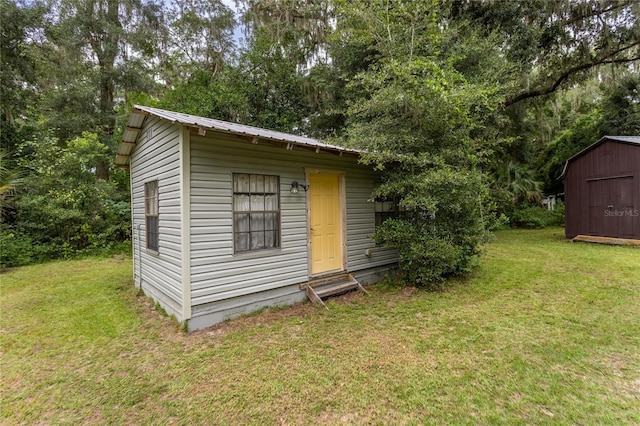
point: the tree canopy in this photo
(467, 108)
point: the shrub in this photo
(63, 208)
(528, 217)
(557, 215)
(440, 230)
(15, 249)
(536, 217)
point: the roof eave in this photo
(134, 128)
(130, 138)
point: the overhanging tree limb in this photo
(604, 60)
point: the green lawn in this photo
(544, 332)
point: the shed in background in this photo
(602, 189)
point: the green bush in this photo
(528, 217)
(15, 250)
(440, 231)
(536, 217)
(557, 215)
(61, 209)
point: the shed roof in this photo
(202, 124)
(635, 140)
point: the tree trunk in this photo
(106, 47)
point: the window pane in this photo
(151, 213)
(151, 198)
(271, 221)
(240, 182)
(257, 222)
(271, 239)
(257, 240)
(152, 232)
(271, 184)
(257, 203)
(241, 203)
(271, 202)
(257, 184)
(241, 223)
(242, 242)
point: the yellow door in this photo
(325, 223)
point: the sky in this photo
(238, 36)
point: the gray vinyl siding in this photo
(361, 224)
(157, 158)
(216, 272)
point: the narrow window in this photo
(151, 214)
(256, 212)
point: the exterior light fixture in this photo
(295, 187)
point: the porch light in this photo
(295, 187)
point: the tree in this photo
(556, 43)
(18, 71)
(196, 63)
(198, 39)
(621, 107)
(415, 115)
(286, 65)
(10, 178)
(72, 67)
(97, 51)
(616, 113)
(299, 29)
(514, 184)
(61, 206)
(273, 88)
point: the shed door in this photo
(612, 210)
(325, 223)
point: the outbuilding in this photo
(602, 189)
(229, 218)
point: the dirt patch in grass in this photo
(298, 311)
(262, 318)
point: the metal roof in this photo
(624, 139)
(139, 114)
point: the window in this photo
(385, 208)
(256, 212)
(151, 214)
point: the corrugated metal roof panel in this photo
(139, 113)
(136, 118)
(240, 129)
(129, 137)
(628, 139)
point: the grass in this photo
(544, 332)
